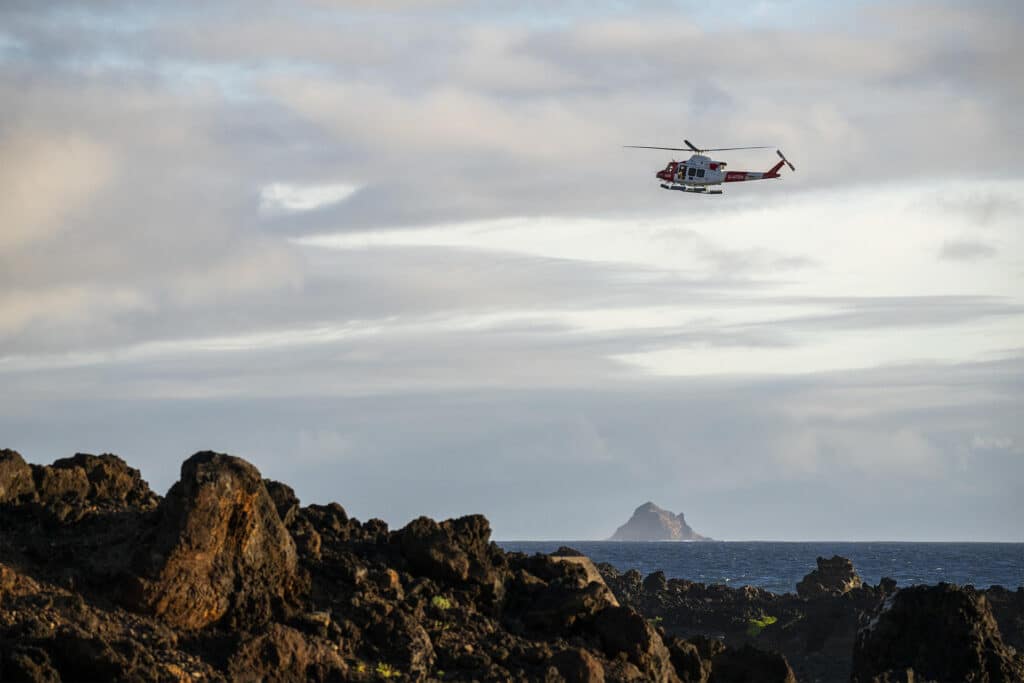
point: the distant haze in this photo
(398, 258)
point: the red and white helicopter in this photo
(700, 172)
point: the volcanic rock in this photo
(623, 630)
(113, 485)
(834, 576)
(936, 633)
(282, 654)
(454, 550)
(655, 582)
(651, 523)
(62, 491)
(220, 546)
(747, 663)
(589, 568)
(16, 482)
(704, 660)
(285, 500)
(229, 578)
(690, 666)
(578, 666)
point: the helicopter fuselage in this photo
(700, 170)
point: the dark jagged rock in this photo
(651, 523)
(748, 663)
(578, 666)
(16, 483)
(655, 582)
(220, 546)
(112, 484)
(61, 491)
(816, 637)
(285, 501)
(48, 633)
(624, 631)
(832, 577)
(710, 661)
(556, 597)
(690, 666)
(280, 654)
(229, 578)
(73, 488)
(454, 550)
(937, 633)
(1008, 610)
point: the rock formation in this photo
(934, 633)
(834, 576)
(708, 627)
(229, 577)
(219, 545)
(651, 523)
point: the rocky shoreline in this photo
(228, 577)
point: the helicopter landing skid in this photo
(696, 189)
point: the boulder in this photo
(280, 654)
(834, 576)
(16, 483)
(690, 666)
(560, 604)
(61, 491)
(578, 666)
(405, 642)
(220, 547)
(655, 582)
(936, 633)
(456, 550)
(623, 631)
(590, 570)
(285, 500)
(708, 660)
(112, 484)
(74, 487)
(747, 663)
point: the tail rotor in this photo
(791, 167)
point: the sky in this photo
(395, 255)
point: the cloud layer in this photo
(274, 231)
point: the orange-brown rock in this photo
(15, 477)
(220, 548)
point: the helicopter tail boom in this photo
(773, 172)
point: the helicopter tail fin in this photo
(774, 171)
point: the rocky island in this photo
(228, 577)
(652, 523)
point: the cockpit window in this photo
(691, 172)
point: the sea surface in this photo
(778, 566)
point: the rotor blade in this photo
(692, 146)
(671, 149)
(728, 149)
(791, 166)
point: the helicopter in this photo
(700, 172)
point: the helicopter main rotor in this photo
(690, 147)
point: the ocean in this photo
(778, 566)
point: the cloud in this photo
(966, 250)
(428, 262)
(290, 197)
(991, 443)
(44, 178)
